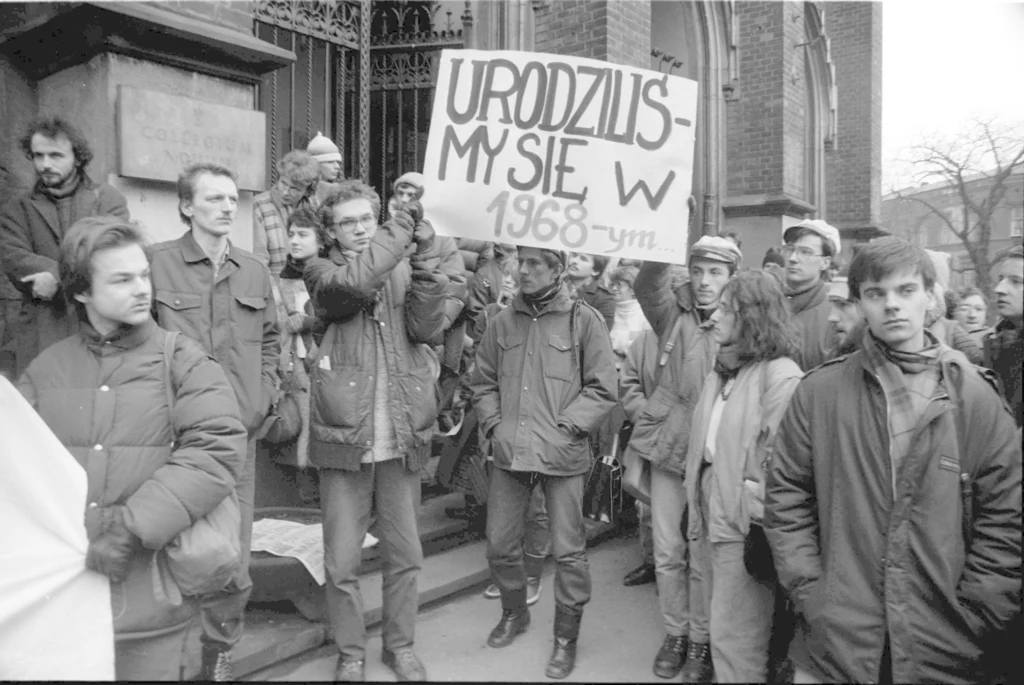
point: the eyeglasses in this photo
(294, 188)
(801, 252)
(366, 221)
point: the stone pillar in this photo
(617, 31)
(854, 167)
(766, 127)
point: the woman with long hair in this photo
(731, 438)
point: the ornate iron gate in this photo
(368, 85)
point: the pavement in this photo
(621, 632)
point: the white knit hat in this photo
(323, 149)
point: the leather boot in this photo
(515, 619)
(216, 664)
(567, 630)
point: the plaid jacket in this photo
(269, 232)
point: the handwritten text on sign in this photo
(561, 152)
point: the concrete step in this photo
(454, 560)
(276, 633)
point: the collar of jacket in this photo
(340, 256)
(293, 268)
(594, 286)
(808, 298)
(561, 303)
(123, 337)
(1006, 325)
(944, 356)
(192, 253)
(85, 183)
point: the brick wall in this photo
(233, 14)
(616, 31)
(765, 152)
(854, 168)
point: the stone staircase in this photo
(278, 631)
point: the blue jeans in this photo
(347, 499)
(507, 503)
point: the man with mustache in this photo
(810, 248)
(893, 496)
(33, 225)
(221, 297)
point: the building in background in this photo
(927, 214)
(789, 125)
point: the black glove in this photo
(414, 209)
(424, 237)
(111, 544)
(757, 555)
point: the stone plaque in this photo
(161, 134)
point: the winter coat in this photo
(861, 562)
(377, 297)
(953, 335)
(816, 334)
(474, 252)
(743, 444)
(453, 266)
(30, 237)
(1004, 354)
(639, 374)
(661, 433)
(234, 320)
(528, 378)
(105, 398)
(600, 298)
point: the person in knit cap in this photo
(327, 154)
(544, 381)
(408, 186)
(681, 318)
(810, 248)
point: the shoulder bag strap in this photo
(577, 352)
(666, 351)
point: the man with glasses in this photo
(381, 295)
(809, 250)
(298, 173)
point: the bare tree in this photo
(984, 150)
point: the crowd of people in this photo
(829, 453)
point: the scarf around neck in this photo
(65, 189)
(909, 381)
(811, 296)
(728, 361)
(543, 297)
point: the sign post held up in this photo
(561, 152)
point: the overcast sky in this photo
(944, 62)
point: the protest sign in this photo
(561, 152)
(55, 617)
